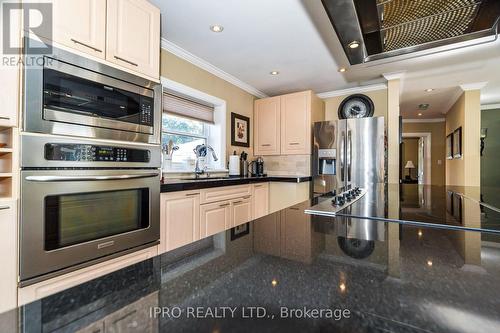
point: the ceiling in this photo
(295, 37)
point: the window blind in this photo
(187, 108)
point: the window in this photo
(186, 134)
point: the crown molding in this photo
(394, 75)
(350, 91)
(452, 100)
(197, 61)
(490, 106)
(473, 86)
(433, 120)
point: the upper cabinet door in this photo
(81, 25)
(133, 28)
(296, 123)
(267, 126)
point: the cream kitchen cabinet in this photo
(260, 195)
(81, 25)
(8, 261)
(133, 35)
(267, 114)
(124, 33)
(214, 218)
(241, 211)
(283, 124)
(180, 219)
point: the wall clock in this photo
(356, 106)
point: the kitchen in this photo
(138, 174)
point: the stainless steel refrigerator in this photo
(348, 153)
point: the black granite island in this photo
(294, 272)
(451, 207)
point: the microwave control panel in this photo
(146, 117)
(91, 153)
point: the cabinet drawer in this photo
(224, 193)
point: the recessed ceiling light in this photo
(342, 69)
(420, 114)
(216, 28)
(423, 106)
(353, 45)
(274, 73)
(429, 90)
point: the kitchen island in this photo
(296, 272)
(450, 207)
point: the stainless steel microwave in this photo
(67, 94)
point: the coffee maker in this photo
(257, 167)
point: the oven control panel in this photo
(92, 153)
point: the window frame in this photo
(217, 138)
(204, 136)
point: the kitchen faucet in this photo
(201, 151)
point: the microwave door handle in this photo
(46, 179)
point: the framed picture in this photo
(240, 130)
(449, 147)
(457, 207)
(240, 231)
(457, 143)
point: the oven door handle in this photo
(46, 179)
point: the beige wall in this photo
(465, 113)
(237, 100)
(438, 147)
(379, 98)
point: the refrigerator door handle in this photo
(349, 155)
(342, 156)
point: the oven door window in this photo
(77, 218)
(72, 94)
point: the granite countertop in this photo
(354, 275)
(184, 184)
(439, 206)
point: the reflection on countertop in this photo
(455, 207)
(391, 277)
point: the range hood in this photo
(388, 28)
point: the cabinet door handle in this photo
(127, 61)
(191, 194)
(266, 145)
(224, 205)
(293, 208)
(294, 143)
(4, 207)
(86, 45)
(6, 118)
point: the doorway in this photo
(416, 158)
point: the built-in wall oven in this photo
(66, 94)
(84, 201)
